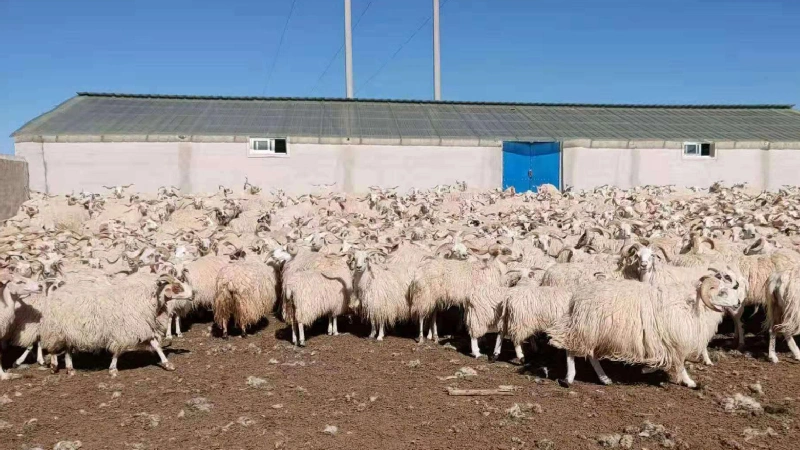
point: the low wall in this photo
(588, 167)
(13, 185)
(64, 167)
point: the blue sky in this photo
(610, 51)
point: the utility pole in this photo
(348, 49)
(437, 71)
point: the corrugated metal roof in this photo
(126, 114)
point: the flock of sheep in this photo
(642, 276)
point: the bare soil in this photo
(388, 395)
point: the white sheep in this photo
(25, 329)
(115, 317)
(632, 322)
(528, 310)
(443, 283)
(381, 289)
(322, 287)
(783, 310)
(14, 288)
(246, 292)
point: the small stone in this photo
(742, 403)
(331, 429)
(756, 388)
(182, 414)
(258, 383)
(414, 363)
(667, 443)
(5, 425)
(200, 404)
(630, 429)
(609, 440)
(449, 347)
(277, 406)
(372, 398)
(245, 421)
(515, 411)
(545, 444)
(68, 445)
(29, 425)
(116, 394)
(149, 420)
(4, 400)
(465, 372)
(273, 361)
(733, 444)
(626, 441)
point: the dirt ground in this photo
(349, 392)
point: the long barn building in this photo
(198, 143)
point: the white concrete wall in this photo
(63, 167)
(585, 168)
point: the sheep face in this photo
(718, 295)
(18, 286)
(731, 280)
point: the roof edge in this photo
(377, 100)
(44, 115)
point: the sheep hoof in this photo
(606, 381)
(113, 373)
(563, 383)
(773, 359)
(477, 356)
(53, 369)
(697, 387)
(492, 357)
(301, 344)
(420, 340)
(167, 366)
(379, 339)
(518, 361)
(71, 372)
(5, 376)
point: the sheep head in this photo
(15, 286)
(716, 295)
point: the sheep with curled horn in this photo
(95, 316)
(119, 190)
(250, 188)
(608, 320)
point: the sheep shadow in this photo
(136, 359)
(550, 363)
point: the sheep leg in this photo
(21, 360)
(706, 358)
(168, 334)
(421, 337)
(178, 326)
(373, 332)
(683, 376)
(3, 374)
(68, 364)
(381, 331)
(737, 320)
(302, 335)
(112, 369)
(520, 354)
(54, 363)
(225, 328)
(498, 346)
(39, 354)
(773, 357)
(570, 371)
(598, 369)
(434, 328)
(330, 325)
(792, 346)
(294, 335)
(476, 351)
(335, 321)
(166, 365)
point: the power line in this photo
(410, 38)
(278, 50)
(339, 52)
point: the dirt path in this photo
(260, 392)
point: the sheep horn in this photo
(706, 284)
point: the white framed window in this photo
(267, 147)
(699, 150)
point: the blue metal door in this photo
(529, 165)
(517, 166)
(546, 164)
